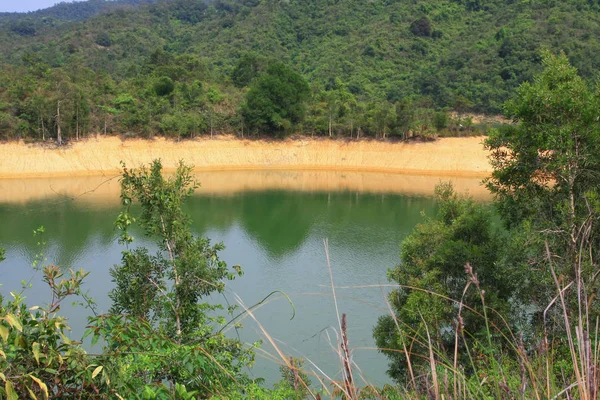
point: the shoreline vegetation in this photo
(101, 156)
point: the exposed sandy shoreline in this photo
(88, 171)
(101, 156)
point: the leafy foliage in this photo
(157, 311)
(75, 11)
(37, 357)
(467, 56)
(277, 100)
(432, 278)
(554, 153)
(159, 342)
(526, 301)
(546, 177)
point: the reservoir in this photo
(274, 225)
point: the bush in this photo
(421, 27)
(164, 86)
(103, 39)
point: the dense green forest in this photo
(71, 11)
(339, 67)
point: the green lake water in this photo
(275, 235)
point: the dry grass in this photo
(447, 378)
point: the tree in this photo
(40, 360)
(214, 97)
(384, 117)
(276, 101)
(440, 120)
(339, 103)
(295, 379)
(547, 173)
(23, 28)
(551, 157)
(163, 86)
(165, 288)
(37, 358)
(63, 97)
(247, 68)
(432, 274)
(546, 167)
(421, 27)
(404, 117)
(103, 39)
(157, 299)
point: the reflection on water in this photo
(275, 235)
(104, 190)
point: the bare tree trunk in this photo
(177, 307)
(330, 125)
(43, 131)
(43, 127)
(58, 133)
(77, 122)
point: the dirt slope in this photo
(102, 155)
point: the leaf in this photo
(14, 322)
(2, 376)
(87, 333)
(35, 347)
(31, 394)
(4, 332)
(66, 339)
(10, 391)
(42, 386)
(2, 354)
(148, 393)
(97, 371)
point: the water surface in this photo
(273, 226)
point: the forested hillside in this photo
(327, 67)
(72, 11)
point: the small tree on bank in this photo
(276, 102)
(547, 169)
(165, 288)
(157, 298)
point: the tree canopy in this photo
(276, 101)
(437, 55)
